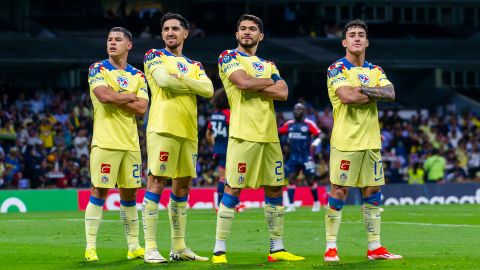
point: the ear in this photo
(186, 34)
(236, 35)
(368, 43)
(130, 45)
(344, 43)
(260, 38)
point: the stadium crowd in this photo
(45, 142)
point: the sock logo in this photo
(164, 156)
(242, 167)
(105, 168)
(344, 165)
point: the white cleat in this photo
(153, 256)
(290, 208)
(186, 255)
(316, 207)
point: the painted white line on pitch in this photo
(262, 221)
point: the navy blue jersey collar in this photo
(167, 53)
(109, 66)
(349, 65)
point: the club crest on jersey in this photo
(242, 167)
(241, 179)
(93, 71)
(163, 167)
(227, 58)
(332, 72)
(105, 168)
(122, 82)
(258, 66)
(104, 179)
(345, 165)
(164, 156)
(304, 129)
(364, 79)
(150, 56)
(182, 67)
(343, 176)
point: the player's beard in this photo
(247, 45)
(174, 46)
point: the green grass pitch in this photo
(429, 237)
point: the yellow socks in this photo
(93, 215)
(129, 217)
(177, 213)
(149, 219)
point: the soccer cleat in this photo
(283, 256)
(222, 258)
(290, 208)
(382, 253)
(240, 207)
(331, 255)
(153, 256)
(138, 253)
(186, 255)
(316, 206)
(91, 255)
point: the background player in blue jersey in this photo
(217, 135)
(301, 132)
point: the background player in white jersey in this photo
(172, 135)
(118, 92)
(354, 87)
(254, 156)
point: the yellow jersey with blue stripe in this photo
(172, 112)
(355, 127)
(252, 115)
(114, 128)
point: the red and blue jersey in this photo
(219, 123)
(300, 136)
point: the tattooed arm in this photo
(381, 93)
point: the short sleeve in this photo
(275, 73)
(152, 60)
(336, 77)
(382, 77)
(142, 90)
(228, 63)
(201, 75)
(95, 76)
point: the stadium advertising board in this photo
(38, 200)
(206, 198)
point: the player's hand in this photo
(174, 75)
(357, 89)
(132, 97)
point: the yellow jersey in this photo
(355, 127)
(252, 115)
(171, 112)
(114, 128)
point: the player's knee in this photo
(374, 199)
(340, 193)
(335, 204)
(100, 193)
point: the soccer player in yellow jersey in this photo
(118, 92)
(254, 156)
(172, 134)
(354, 87)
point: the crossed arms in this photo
(277, 90)
(127, 102)
(363, 94)
(181, 84)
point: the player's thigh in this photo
(272, 172)
(371, 172)
(345, 167)
(104, 166)
(130, 173)
(243, 163)
(187, 159)
(162, 153)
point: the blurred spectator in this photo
(474, 160)
(435, 167)
(416, 174)
(81, 143)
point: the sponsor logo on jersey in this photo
(339, 79)
(333, 72)
(364, 79)
(242, 167)
(304, 129)
(122, 82)
(258, 66)
(104, 179)
(164, 156)
(182, 67)
(105, 168)
(345, 165)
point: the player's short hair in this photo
(253, 18)
(125, 32)
(170, 15)
(355, 23)
(220, 100)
